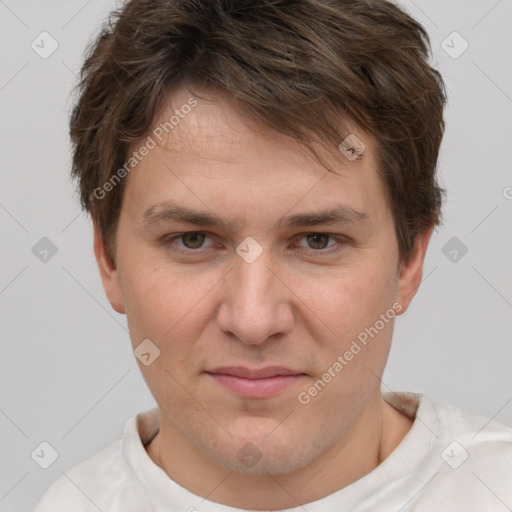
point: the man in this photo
(261, 179)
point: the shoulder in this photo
(104, 481)
(474, 460)
(481, 435)
(449, 422)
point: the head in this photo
(297, 143)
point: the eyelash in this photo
(170, 240)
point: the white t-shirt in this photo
(451, 460)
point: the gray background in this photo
(68, 376)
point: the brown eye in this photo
(318, 240)
(193, 240)
(321, 243)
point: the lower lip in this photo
(256, 388)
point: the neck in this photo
(378, 431)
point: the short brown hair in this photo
(303, 67)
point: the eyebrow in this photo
(167, 212)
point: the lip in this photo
(261, 373)
(256, 383)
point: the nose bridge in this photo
(254, 283)
(255, 304)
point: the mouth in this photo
(256, 383)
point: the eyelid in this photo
(340, 239)
(171, 239)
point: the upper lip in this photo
(260, 373)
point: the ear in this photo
(108, 272)
(412, 271)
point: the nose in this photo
(257, 303)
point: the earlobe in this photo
(412, 271)
(108, 272)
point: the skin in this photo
(298, 305)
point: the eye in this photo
(318, 241)
(191, 240)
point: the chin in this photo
(258, 456)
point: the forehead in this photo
(215, 121)
(211, 146)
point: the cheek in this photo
(161, 300)
(172, 311)
(348, 301)
(355, 351)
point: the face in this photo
(268, 283)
